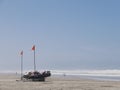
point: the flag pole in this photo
(21, 65)
(34, 61)
(33, 48)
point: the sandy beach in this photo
(11, 82)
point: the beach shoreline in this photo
(12, 82)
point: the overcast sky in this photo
(68, 34)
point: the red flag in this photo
(21, 53)
(33, 48)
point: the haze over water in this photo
(68, 34)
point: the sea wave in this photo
(87, 72)
(107, 72)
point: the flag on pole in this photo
(21, 53)
(33, 48)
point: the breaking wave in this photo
(112, 75)
(87, 72)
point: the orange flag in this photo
(21, 53)
(33, 48)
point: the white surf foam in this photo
(87, 72)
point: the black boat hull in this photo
(36, 76)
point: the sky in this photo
(68, 34)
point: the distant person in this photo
(64, 74)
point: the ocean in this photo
(109, 75)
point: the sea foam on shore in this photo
(113, 75)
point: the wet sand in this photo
(12, 82)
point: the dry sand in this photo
(8, 82)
